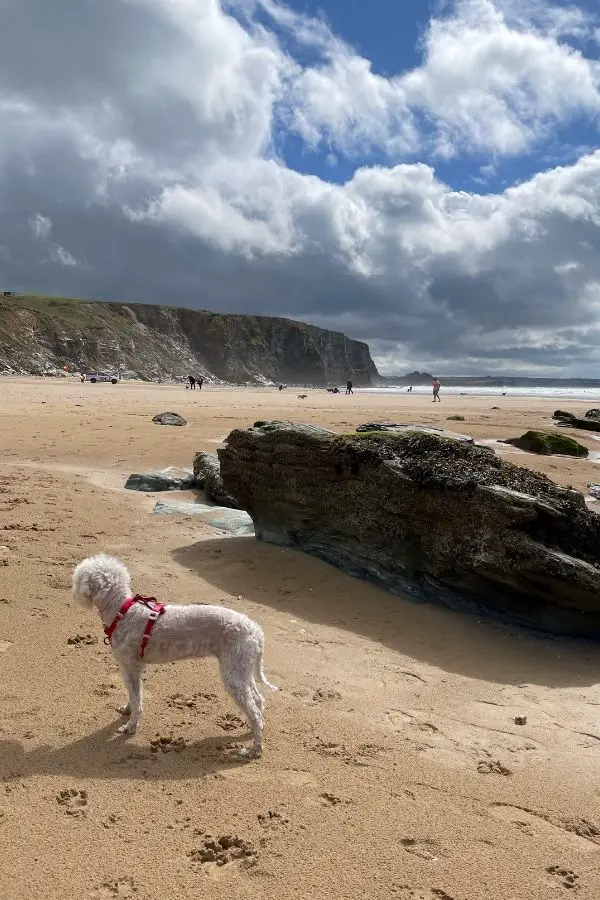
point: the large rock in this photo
(567, 419)
(548, 443)
(207, 476)
(169, 418)
(424, 516)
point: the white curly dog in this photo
(142, 631)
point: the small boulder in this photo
(455, 418)
(593, 414)
(170, 479)
(169, 418)
(548, 443)
(520, 720)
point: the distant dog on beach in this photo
(142, 631)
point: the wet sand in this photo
(393, 766)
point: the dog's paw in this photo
(124, 710)
(127, 728)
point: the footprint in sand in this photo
(273, 820)
(230, 722)
(194, 701)
(82, 640)
(406, 892)
(329, 799)
(167, 744)
(123, 888)
(566, 877)
(492, 767)
(564, 834)
(73, 801)
(324, 696)
(225, 852)
(424, 849)
(104, 690)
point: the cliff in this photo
(39, 334)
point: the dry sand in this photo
(393, 767)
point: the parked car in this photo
(101, 376)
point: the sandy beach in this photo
(393, 767)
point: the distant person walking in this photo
(199, 382)
(192, 382)
(436, 390)
(349, 387)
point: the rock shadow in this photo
(302, 586)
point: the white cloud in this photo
(62, 256)
(153, 157)
(41, 226)
(488, 82)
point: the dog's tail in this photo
(259, 669)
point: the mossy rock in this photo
(548, 443)
(455, 419)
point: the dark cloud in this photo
(132, 167)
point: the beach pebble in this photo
(520, 720)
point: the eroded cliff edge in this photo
(41, 333)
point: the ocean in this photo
(586, 395)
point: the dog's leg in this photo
(133, 682)
(240, 690)
(259, 700)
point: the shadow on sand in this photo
(102, 754)
(304, 587)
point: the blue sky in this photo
(422, 176)
(390, 33)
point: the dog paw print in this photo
(104, 690)
(333, 800)
(82, 640)
(122, 888)
(584, 828)
(567, 877)
(272, 820)
(166, 744)
(229, 722)
(325, 696)
(424, 849)
(406, 892)
(194, 701)
(224, 850)
(487, 767)
(73, 801)
(38, 613)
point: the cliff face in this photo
(38, 334)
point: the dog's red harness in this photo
(151, 603)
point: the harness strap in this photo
(155, 608)
(156, 611)
(108, 631)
